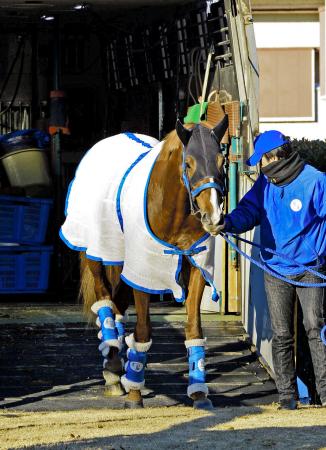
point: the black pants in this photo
(281, 301)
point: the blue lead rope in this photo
(269, 271)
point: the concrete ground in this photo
(50, 361)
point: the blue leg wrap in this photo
(196, 359)
(135, 367)
(134, 377)
(108, 327)
(121, 329)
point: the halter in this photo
(192, 193)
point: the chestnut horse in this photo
(184, 203)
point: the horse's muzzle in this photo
(212, 227)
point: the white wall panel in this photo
(287, 34)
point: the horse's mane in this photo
(172, 143)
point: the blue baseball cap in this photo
(264, 143)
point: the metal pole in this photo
(233, 183)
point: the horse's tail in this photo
(87, 287)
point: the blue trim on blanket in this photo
(133, 137)
(84, 249)
(67, 196)
(104, 262)
(149, 291)
(215, 296)
(130, 136)
(122, 182)
(123, 179)
(200, 240)
(72, 246)
(166, 244)
(71, 183)
(176, 249)
(177, 278)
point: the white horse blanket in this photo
(106, 216)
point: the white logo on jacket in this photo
(296, 205)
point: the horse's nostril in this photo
(204, 217)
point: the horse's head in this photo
(202, 171)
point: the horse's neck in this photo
(168, 203)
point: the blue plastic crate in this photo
(24, 269)
(24, 220)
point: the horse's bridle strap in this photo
(204, 186)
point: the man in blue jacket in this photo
(288, 201)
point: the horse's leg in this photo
(138, 345)
(106, 311)
(195, 344)
(114, 364)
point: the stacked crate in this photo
(24, 258)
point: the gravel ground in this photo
(250, 428)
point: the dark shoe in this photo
(323, 400)
(288, 403)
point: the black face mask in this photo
(203, 144)
(284, 171)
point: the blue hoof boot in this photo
(204, 404)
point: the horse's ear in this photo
(183, 132)
(219, 130)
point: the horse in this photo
(183, 207)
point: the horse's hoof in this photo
(129, 404)
(110, 377)
(113, 390)
(204, 404)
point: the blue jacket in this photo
(292, 219)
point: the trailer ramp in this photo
(49, 361)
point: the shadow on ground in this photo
(241, 428)
(54, 367)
